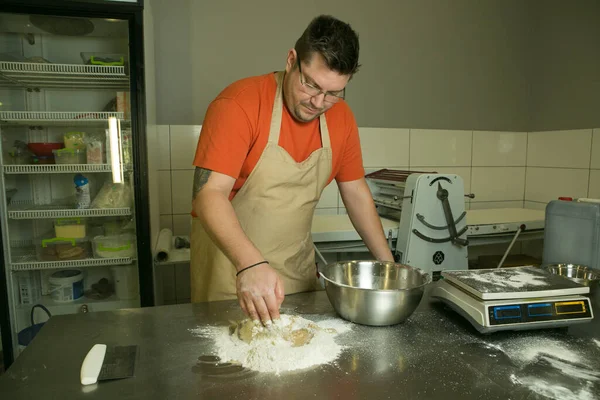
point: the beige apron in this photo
(275, 207)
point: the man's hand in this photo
(260, 293)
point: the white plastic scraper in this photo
(104, 362)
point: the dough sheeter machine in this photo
(426, 227)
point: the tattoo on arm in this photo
(200, 178)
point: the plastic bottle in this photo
(82, 191)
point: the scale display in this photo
(539, 312)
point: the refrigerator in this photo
(74, 209)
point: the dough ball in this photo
(300, 337)
(245, 330)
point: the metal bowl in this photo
(578, 273)
(374, 293)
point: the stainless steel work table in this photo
(434, 355)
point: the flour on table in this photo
(290, 343)
(527, 349)
(561, 359)
(597, 342)
(555, 391)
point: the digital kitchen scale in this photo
(514, 298)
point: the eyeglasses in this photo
(330, 97)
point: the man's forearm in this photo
(218, 218)
(361, 210)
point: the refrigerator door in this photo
(70, 186)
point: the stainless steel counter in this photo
(434, 355)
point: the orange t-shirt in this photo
(236, 130)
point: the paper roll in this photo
(164, 245)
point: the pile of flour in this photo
(563, 358)
(271, 349)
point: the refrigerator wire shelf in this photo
(30, 263)
(50, 211)
(47, 75)
(58, 168)
(58, 117)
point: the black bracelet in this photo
(253, 265)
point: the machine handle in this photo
(442, 194)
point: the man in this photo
(269, 146)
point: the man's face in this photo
(310, 87)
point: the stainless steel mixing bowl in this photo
(578, 273)
(373, 292)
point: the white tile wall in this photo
(164, 143)
(182, 187)
(164, 187)
(175, 180)
(566, 149)
(481, 205)
(440, 148)
(534, 205)
(182, 224)
(561, 163)
(545, 184)
(594, 191)
(499, 149)
(153, 182)
(184, 139)
(383, 147)
(596, 149)
(498, 183)
(166, 222)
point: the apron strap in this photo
(277, 110)
(326, 142)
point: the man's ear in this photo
(291, 60)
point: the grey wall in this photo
(565, 63)
(172, 57)
(461, 64)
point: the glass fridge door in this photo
(67, 189)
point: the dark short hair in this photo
(335, 40)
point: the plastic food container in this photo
(44, 149)
(95, 151)
(116, 246)
(63, 249)
(70, 228)
(66, 285)
(74, 140)
(69, 156)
